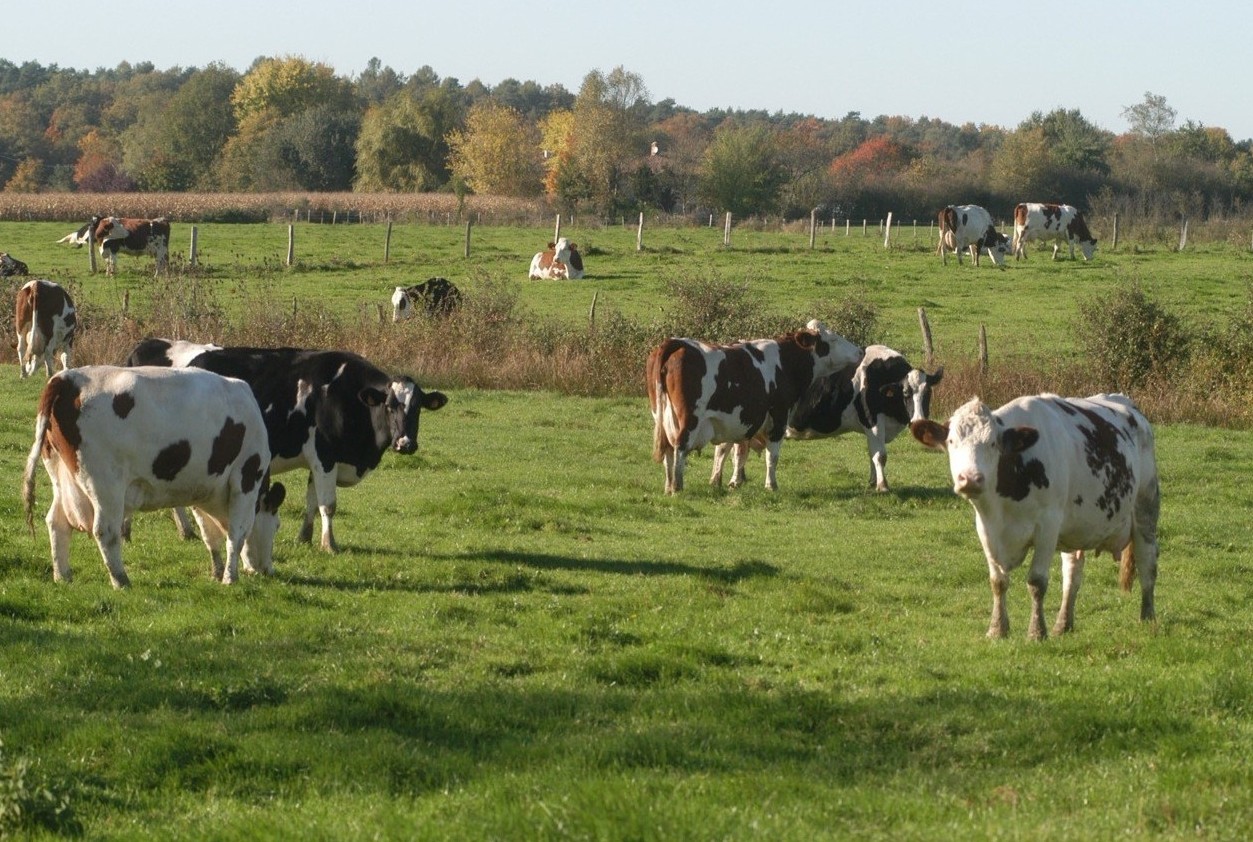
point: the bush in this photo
(1127, 338)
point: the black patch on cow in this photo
(226, 446)
(1106, 460)
(1015, 476)
(822, 408)
(879, 396)
(171, 460)
(740, 388)
(1079, 500)
(252, 473)
(123, 403)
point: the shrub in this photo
(1127, 338)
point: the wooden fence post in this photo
(468, 224)
(864, 229)
(887, 231)
(1114, 244)
(591, 311)
(927, 348)
(848, 227)
(91, 247)
(1183, 235)
(291, 244)
(191, 252)
(726, 231)
(813, 226)
(557, 229)
(387, 243)
(639, 239)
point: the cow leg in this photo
(678, 462)
(1072, 578)
(182, 523)
(878, 459)
(998, 626)
(59, 534)
(106, 528)
(21, 354)
(213, 536)
(720, 457)
(1144, 545)
(772, 461)
(1038, 582)
(320, 497)
(739, 456)
(1056, 249)
(974, 252)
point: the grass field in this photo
(524, 638)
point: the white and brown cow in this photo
(117, 440)
(970, 227)
(561, 261)
(879, 400)
(701, 394)
(1046, 473)
(11, 267)
(46, 323)
(1059, 223)
(434, 297)
(133, 236)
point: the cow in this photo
(1046, 473)
(117, 440)
(46, 322)
(133, 236)
(11, 267)
(434, 296)
(883, 395)
(970, 227)
(1060, 223)
(332, 412)
(701, 394)
(82, 236)
(561, 261)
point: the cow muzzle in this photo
(968, 483)
(405, 445)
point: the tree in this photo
(376, 83)
(96, 170)
(287, 86)
(402, 146)
(741, 171)
(1151, 119)
(317, 145)
(1022, 167)
(498, 152)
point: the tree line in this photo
(287, 123)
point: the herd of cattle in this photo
(181, 424)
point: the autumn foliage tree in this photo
(497, 152)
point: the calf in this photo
(46, 322)
(133, 236)
(434, 296)
(883, 395)
(561, 261)
(970, 227)
(700, 393)
(117, 440)
(1059, 223)
(1046, 473)
(331, 412)
(10, 266)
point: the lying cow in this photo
(1059, 223)
(117, 440)
(11, 267)
(703, 394)
(561, 261)
(332, 412)
(434, 296)
(46, 323)
(883, 395)
(970, 227)
(82, 236)
(1046, 473)
(135, 237)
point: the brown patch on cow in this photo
(226, 446)
(1107, 461)
(62, 401)
(252, 473)
(171, 460)
(123, 403)
(25, 307)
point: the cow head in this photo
(915, 392)
(832, 352)
(978, 446)
(1087, 248)
(997, 245)
(110, 228)
(402, 307)
(396, 411)
(561, 250)
(258, 552)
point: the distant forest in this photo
(287, 123)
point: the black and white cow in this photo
(883, 395)
(703, 394)
(46, 322)
(1058, 223)
(82, 236)
(332, 412)
(434, 297)
(1046, 473)
(970, 227)
(11, 267)
(117, 440)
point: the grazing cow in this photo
(133, 236)
(1060, 223)
(701, 394)
(970, 227)
(1046, 473)
(883, 395)
(561, 261)
(83, 235)
(46, 323)
(10, 266)
(434, 296)
(117, 440)
(331, 412)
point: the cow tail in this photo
(42, 422)
(1127, 566)
(661, 442)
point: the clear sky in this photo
(977, 62)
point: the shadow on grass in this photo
(737, 572)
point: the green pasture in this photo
(524, 638)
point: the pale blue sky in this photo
(978, 62)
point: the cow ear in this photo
(1018, 439)
(372, 397)
(930, 434)
(433, 400)
(934, 379)
(807, 338)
